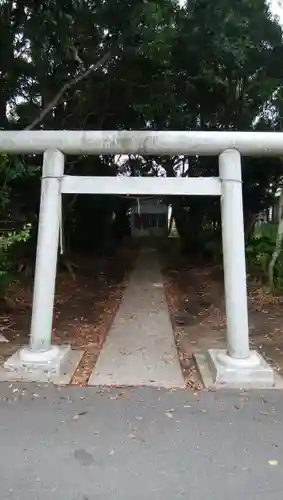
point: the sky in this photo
(277, 8)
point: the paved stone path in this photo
(140, 348)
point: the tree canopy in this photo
(138, 64)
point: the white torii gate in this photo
(237, 365)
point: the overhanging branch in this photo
(71, 83)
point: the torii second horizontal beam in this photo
(173, 186)
(80, 142)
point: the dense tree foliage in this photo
(137, 64)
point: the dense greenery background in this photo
(135, 64)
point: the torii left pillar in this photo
(41, 359)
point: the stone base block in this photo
(218, 370)
(57, 365)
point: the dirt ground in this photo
(85, 305)
(195, 295)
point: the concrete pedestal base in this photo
(218, 370)
(57, 365)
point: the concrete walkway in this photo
(140, 348)
(70, 443)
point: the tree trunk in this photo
(278, 244)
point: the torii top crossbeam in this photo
(142, 142)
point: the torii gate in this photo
(235, 366)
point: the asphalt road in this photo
(137, 444)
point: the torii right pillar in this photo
(235, 366)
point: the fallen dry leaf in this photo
(132, 436)
(78, 415)
(169, 414)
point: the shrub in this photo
(259, 253)
(12, 170)
(8, 241)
